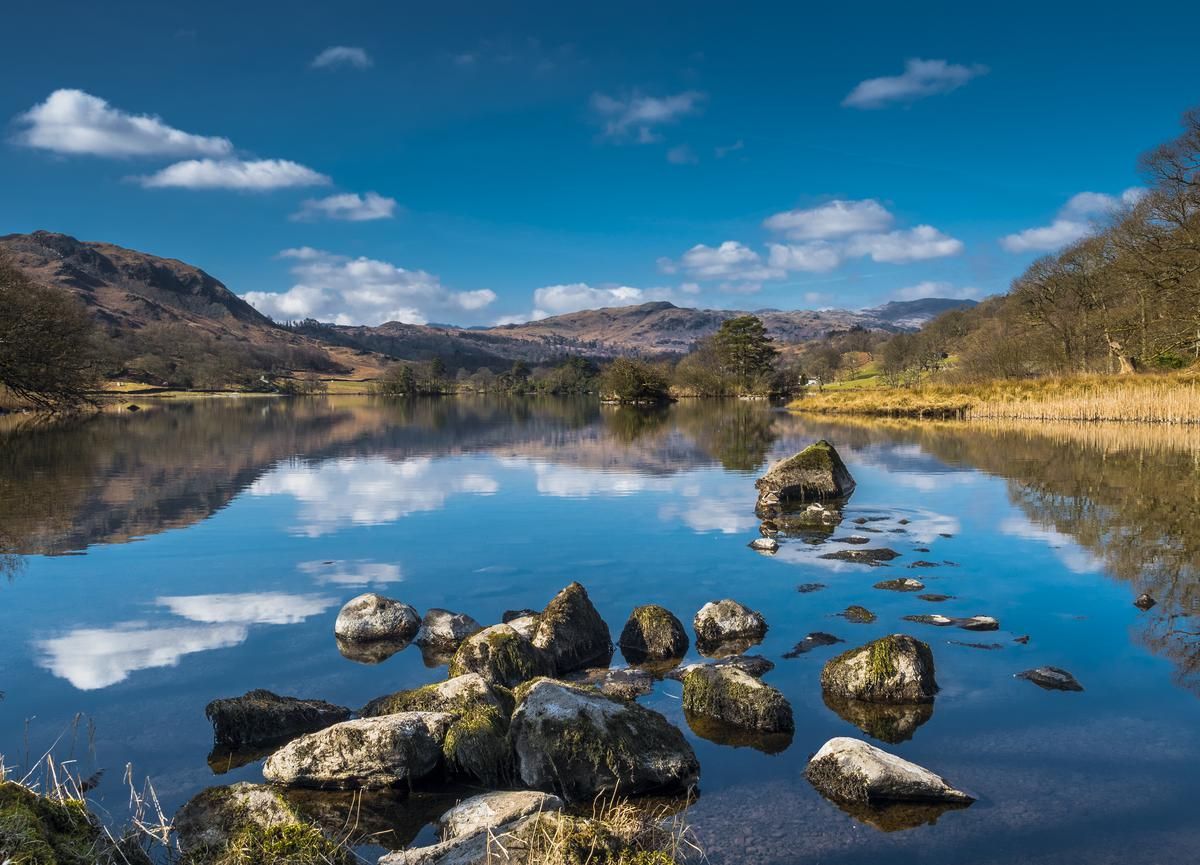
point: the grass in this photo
(1168, 399)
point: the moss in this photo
(653, 633)
(882, 663)
(562, 839)
(736, 698)
(477, 745)
(289, 844)
(500, 655)
(35, 830)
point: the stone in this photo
(371, 617)
(753, 665)
(970, 623)
(935, 598)
(571, 632)
(858, 615)
(726, 621)
(367, 753)
(454, 696)
(851, 770)
(1144, 601)
(769, 546)
(808, 588)
(526, 626)
(443, 630)
(873, 558)
(579, 743)
(851, 539)
(816, 474)
(979, 623)
(260, 717)
(509, 615)
(501, 656)
(652, 634)
(893, 669)
(1051, 679)
(734, 697)
(902, 584)
(815, 640)
(491, 810)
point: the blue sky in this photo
(477, 162)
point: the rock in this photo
(985, 646)
(726, 622)
(262, 718)
(652, 634)
(509, 615)
(935, 598)
(851, 539)
(490, 810)
(454, 696)
(851, 770)
(754, 665)
(1144, 601)
(626, 684)
(935, 619)
(971, 623)
(888, 722)
(501, 656)
(390, 818)
(368, 753)
(807, 588)
(47, 830)
(579, 743)
(816, 474)
(874, 558)
(979, 623)
(734, 697)
(571, 632)
(253, 823)
(371, 617)
(921, 563)
(526, 626)
(443, 630)
(1023, 639)
(1051, 679)
(815, 640)
(765, 545)
(903, 584)
(858, 615)
(892, 669)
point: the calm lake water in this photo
(161, 559)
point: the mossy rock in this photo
(734, 697)
(652, 635)
(816, 474)
(501, 656)
(36, 830)
(893, 669)
(571, 632)
(727, 627)
(260, 718)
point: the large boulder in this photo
(893, 669)
(571, 632)
(727, 627)
(734, 697)
(498, 808)
(250, 823)
(366, 753)
(443, 631)
(851, 770)
(262, 718)
(653, 635)
(501, 656)
(816, 474)
(373, 617)
(579, 743)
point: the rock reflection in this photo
(891, 723)
(390, 819)
(720, 733)
(374, 652)
(899, 816)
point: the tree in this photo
(48, 354)
(629, 380)
(745, 350)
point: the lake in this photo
(154, 561)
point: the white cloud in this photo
(258, 175)
(352, 291)
(920, 78)
(834, 219)
(76, 123)
(897, 247)
(560, 299)
(738, 267)
(342, 55)
(817, 257)
(930, 288)
(1075, 220)
(348, 207)
(682, 155)
(638, 115)
(250, 608)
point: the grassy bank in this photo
(1167, 399)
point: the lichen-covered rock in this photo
(816, 474)
(627, 684)
(260, 717)
(571, 632)
(652, 634)
(727, 622)
(371, 617)
(732, 696)
(453, 696)
(858, 614)
(366, 753)
(443, 630)
(851, 770)
(901, 584)
(579, 743)
(247, 823)
(872, 557)
(501, 656)
(753, 665)
(498, 808)
(892, 669)
(888, 722)
(526, 626)
(37, 830)
(1051, 679)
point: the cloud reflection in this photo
(352, 573)
(251, 608)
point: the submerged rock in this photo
(371, 617)
(260, 717)
(935, 598)
(970, 623)
(1144, 601)
(366, 753)
(808, 588)
(892, 669)
(858, 615)
(1051, 679)
(902, 584)
(499, 808)
(851, 770)
(727, 622)
(874, 557)
(443, 631)
(652, 634)
(571, 632)
(579, 743)
(501, 656)
(816, 474)
(734, 697)
(815, 640)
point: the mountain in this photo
(913, 314)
